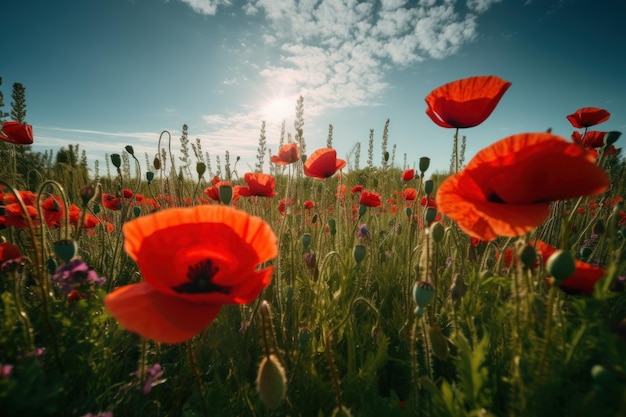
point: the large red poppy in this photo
(193, 261)
(467, 102)
(8, 251)
(584, 279)
(506, 189)
(588, 116)
(590, 139)
(259, 184)
(17, 133)
(323, 163)
(370, 199)
(287, 154)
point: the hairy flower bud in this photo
(271, 382)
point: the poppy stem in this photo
(196, 374)
(548, 328)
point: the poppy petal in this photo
(153, 315)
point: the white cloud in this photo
(481, 6)
(207, 7)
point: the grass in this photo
(342, 325)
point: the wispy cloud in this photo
(337, 53)
(208, 7)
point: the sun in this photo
(278, 109)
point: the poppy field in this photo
(318, 288)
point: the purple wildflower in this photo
(363, 232)
(5, 371)
(152, 375)
(76, 275)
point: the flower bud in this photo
(611, 137)
(527, 255)
(332, 226)
(200, 168)
(271, 383)
(156, 163)
(136, 211)
(226, 193)
(424, 164)
(362, 210)
(306, 240)
(437, 231)
(65, 249)
(130, 149)
(358, 253)
(116, 160)
(560, 265)
(585, 253)
(149, 176)
(430, 215)
(423, 294)
(458, 288)
(429, 186)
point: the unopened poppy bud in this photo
(136, 211)
(304, 338)
(303, 158)
(409, 211)
(51, 265)
(358, 253)
(306, 240)
(438, 342)
(96, 208)
(271, 383)
(156, 163)
(226, 193)
(200, 168)
(65, 249)
(332, 226)
(86, 193)
(130, 149)
(585, 253)
(437, 231)
(386, 156)
(424, 164)
(598, 228)
(429, 186)
(149, 176)
(560, 265)
(116, 160)
(527, 255)
(611, 137)
(423, 294)
(362, 210)
(431, 214)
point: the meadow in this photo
(321, 288)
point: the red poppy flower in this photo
(283, 204)
(126, 193)
(590, 139)
(308, 204)
(287, 154)
(28, 197)
(408, 174)
(9, 251)
(465, 103)
(428, 202)
(409, 194)
(53, 209)
(16, 133)
(14, 216)
(214, 192)
(584, 279)
(259, 184)
(369, 199)
(193, 261)
(356, 189)
(506, 189)
(111, 202)
(323, 163)
(588, 116)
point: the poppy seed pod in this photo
(429, 186)
(430, 215)
(560, 265)
(358, 253)
(306, 240)
(65, 249)
(423, 294)
(116, 160)
(271, 382)
(226, 193)
(149, 176)
(130, 149)
(424, 164)
(437, 231)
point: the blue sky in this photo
(105, 74)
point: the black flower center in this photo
(495, 198)
(200, 276)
